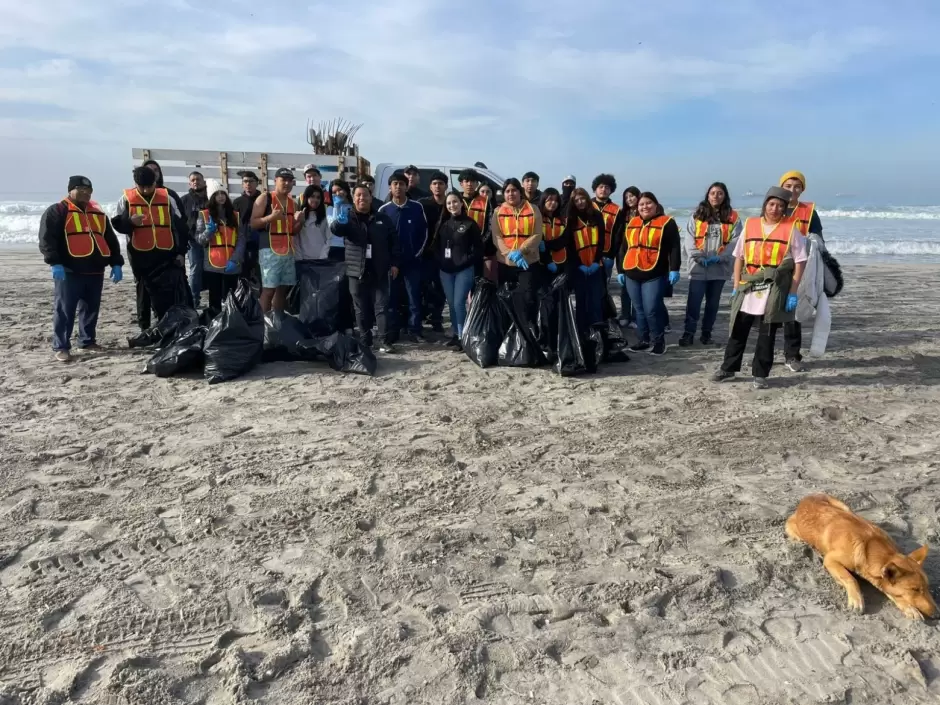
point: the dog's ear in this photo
(891, 572)
(919, 555)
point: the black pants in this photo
(432, 294)
(792, 340)
(143, 303)
(370, 301)
(763, 354)
(218, 285)
(166, 285)
(527, 281)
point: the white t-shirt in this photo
(755, 302)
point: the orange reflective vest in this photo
(586, 238)
(762, 250)
(476, 209)
(552, 229)
(701, 232)
(610, 211)
(802, 215)
(85, 229)
(281, 229)
(516, 228)
(222, 244)
(643, 242)
(156, 230)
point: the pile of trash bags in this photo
(241, 336)
(498, 332)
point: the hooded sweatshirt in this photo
(459, 243)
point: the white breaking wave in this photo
(906, 213)
(882, 248)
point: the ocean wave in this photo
(913, 213)
(883, 248)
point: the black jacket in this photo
(361, 232)
(143, 261)
(54, 250)
(461, 239)
(243, 205)
(670, 255)
(435, 215)
(193, 202)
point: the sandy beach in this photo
(441, 534)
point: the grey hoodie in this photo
(724, 268)
(203, 239)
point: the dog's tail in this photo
(837, 504)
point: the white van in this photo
(383, 171)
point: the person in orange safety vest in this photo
(273, 214)
(218, 231)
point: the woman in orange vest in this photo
(273, 214)
(217, 230)
(586, 273)
(629, 198)
(712, 234)
(516, 230)
(554, 245)
(769, 259)
(650, 257)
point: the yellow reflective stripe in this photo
(162, 217)
(78, 222)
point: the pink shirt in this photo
(755, 302)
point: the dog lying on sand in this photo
(850, 544)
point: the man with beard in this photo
(193, 202)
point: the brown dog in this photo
(850, 544)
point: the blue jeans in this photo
(196, 255)
(81, 294)
(457, 287)
(410, 276)
(710, 292)
(647, 298)
(626, 306)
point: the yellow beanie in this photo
(793, 175)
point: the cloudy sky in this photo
(669, 95)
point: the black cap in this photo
(79, 182)
(284, 173)
(438, 176)
(397, 176)
(246, 174)
(411, 169)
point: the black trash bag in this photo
(832, 279)
(606, 344)
(548, 322)
(609, 307)
(571, 358)
(178, 319)
(318, 296)
(235, 340)
(483, 332)
(182, 355)
(520, 345)
(342, 352)
(282, 335)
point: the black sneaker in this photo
(387, 348)
(437, 327)
(706, 339)
(667, 329)
(453, 342)
(795, 365)
(686, 340)
(458, 348)
(760, 383)
(659, 348)
(418, 338)
(641, 346)
(721, 376)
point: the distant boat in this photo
(749, 193)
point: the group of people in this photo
(405, 258)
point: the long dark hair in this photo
(633, 190)
(550, 191)
(223, 213)
(347, 193)
(320, 211)
(159, 171)
(651, 196)
(707, 214)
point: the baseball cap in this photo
(411, 169)
(284, 173)
(311, 167)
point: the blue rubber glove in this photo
(734, 292)
(231, 267)
(542, 246)
(714, 259)
(594, 268)
(673, 278)
(342, 213)
(791, 302)
(116, 273)
(608, 265)
(523, 265)
(552, 267)
(622, 280)
(211, 227)
(705, 261)
(58, 272)
(584, 269)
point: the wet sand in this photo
(443, 534)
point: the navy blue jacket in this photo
(412, 228)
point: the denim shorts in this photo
(276, 270)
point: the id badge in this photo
(368, 251)
(447, 252)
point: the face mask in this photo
(566, 191)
